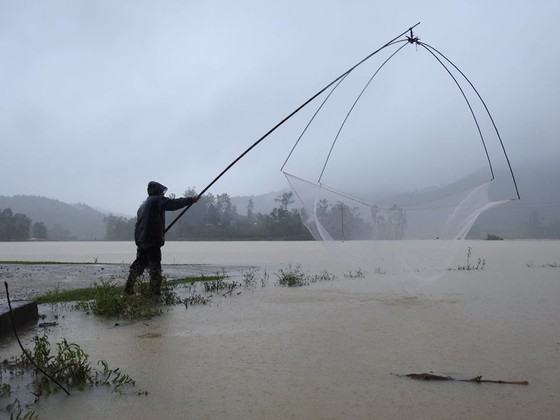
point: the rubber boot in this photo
(129, 286)
(155, 283)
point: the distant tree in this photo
(119, 228)
(342, 221)
(282, 223)
(194, 222)
(6, 224)
(285, 199)
(14, 227)
(39, 230)
(60, 233)
(250, 210)
(226, 211)
(215, 217)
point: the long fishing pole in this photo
(294, 112)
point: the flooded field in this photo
(334, 349)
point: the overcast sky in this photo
(99, 97)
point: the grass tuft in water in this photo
(107, 297)
(295, 277)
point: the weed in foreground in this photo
(107, 299)
(67, 367)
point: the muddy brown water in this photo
(331, 350)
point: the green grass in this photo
(59, 296)
(45, 263)
(195, 279)
(90, 293)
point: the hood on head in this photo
(155, 188)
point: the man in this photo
(149, 235)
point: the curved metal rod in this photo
(427, 48)
(355, 102)
(430, 48)
(311, 121)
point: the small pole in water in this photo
(342, 221)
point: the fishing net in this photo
(396, 164)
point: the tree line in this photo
(214, 217)
(19, 227)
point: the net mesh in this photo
(416, 241)
(393, 175)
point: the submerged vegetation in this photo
(531, 264)
(39, 372)
(295, 277)
(480, 264)
(46, 369)
(106, 298)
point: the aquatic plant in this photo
(480, 264)
(292, 277)
(197, 299)
(358, 274)
(531, 264)
(106, 298)
(250, 278)
(295, 277)
(492, 237)
(44, 372)
(109, 300)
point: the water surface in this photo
(329, 350)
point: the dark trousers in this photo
(146, 258)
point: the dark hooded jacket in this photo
(150, 221)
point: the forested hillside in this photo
(63, 221)
(536, 215)
(270, 216)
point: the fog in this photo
(98, 98)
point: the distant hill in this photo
(63, 221)
(536, 215)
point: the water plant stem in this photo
(23, 349)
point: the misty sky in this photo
(99, 97)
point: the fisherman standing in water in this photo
(149, 235)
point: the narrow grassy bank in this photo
(90, 293)
(51, 263)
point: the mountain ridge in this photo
(536, 215)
